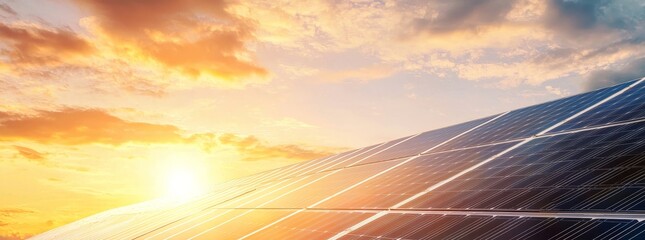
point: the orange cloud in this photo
(31, 45)
(82, 126)
(86, 126)
(252, 148)
(7, 212)
(30, 154)
(198, 37)
(12, 236)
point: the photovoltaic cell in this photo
(431, 226)
(627, 106)
(411, 178)
(599, 170)
(424, 141)
(322, 187)
(526, 122)
(372, 150)
(311, 225)
(223, 224)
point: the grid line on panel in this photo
(373, 176)
(525, 122)
(183, 211)
(434, 226)
(292, 190)
(625, 89)
(600, 170)
(276, 174)
(629, 106)
(435, 186)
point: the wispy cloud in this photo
(253, 149)
(31, 45)
(82, 126)
(603, 78)
(7, 212)
(94, 126)
(30, 154)
(6, 9)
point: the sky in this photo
(104, 102)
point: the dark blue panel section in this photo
(529, 121)
(411, 178)
(424, 141)
(627, 106)
(593, 170)
(434, 226)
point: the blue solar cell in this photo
(424, 141)
(600, 169)
(529, 121)
(411, 178)
(627, 106)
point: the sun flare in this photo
(182, 183)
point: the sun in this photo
(182, 183)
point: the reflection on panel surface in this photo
(600, 170)
(311, 225)
(424, 141)
(412, 177)
(625, 107)
(430, 226)
(529, 121)
(323, 187)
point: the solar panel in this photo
(412, 177)
(627, 106)
(422, 142)
(601, 169)
(222, 224)
(567, 169)
(311, 225)
(526, 122)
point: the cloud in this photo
(452, 16)
(556, 91)
(557, 38)
(604, 78)
(29, 45)
(6, 9)
(93, 126)
(252, 148)
(577, 18)
(12, 236)
(30, 154)
(8, 212)
(198, 38)
(83, 126)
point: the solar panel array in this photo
(573, 168)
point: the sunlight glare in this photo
(183, 184)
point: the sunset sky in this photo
(102, 102)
